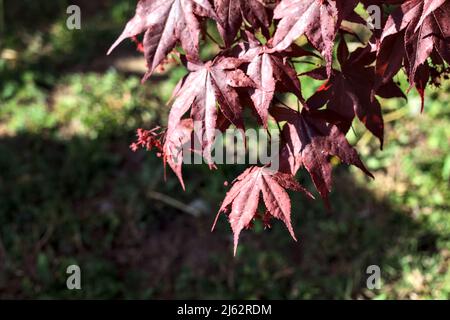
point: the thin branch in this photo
(281, 102)
(305, 62)
(174, 203)
(355, 133)
(212, 39)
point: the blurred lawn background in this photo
(71, 191)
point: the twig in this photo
(304, 61)
(174, 203)
(45, 238)
(212, 39)
(282, 103)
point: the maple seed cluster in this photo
(255, 66)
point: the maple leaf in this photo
(319, 20)
(207, 86)
(271, 72)
(349, 92)
(241, 202)
(440, 24)
(175, 142)
(389, 59)
(165, 22)
(309, 141)
(424, 27)
(231, 14)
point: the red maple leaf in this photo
(423, 27)
(307, 140)
(270, 71)
(176, 142)
(348, 92)
(165, 22)
(232, 13)
(319, 20)
(207, 86)
(241, 202)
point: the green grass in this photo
(71, 192)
